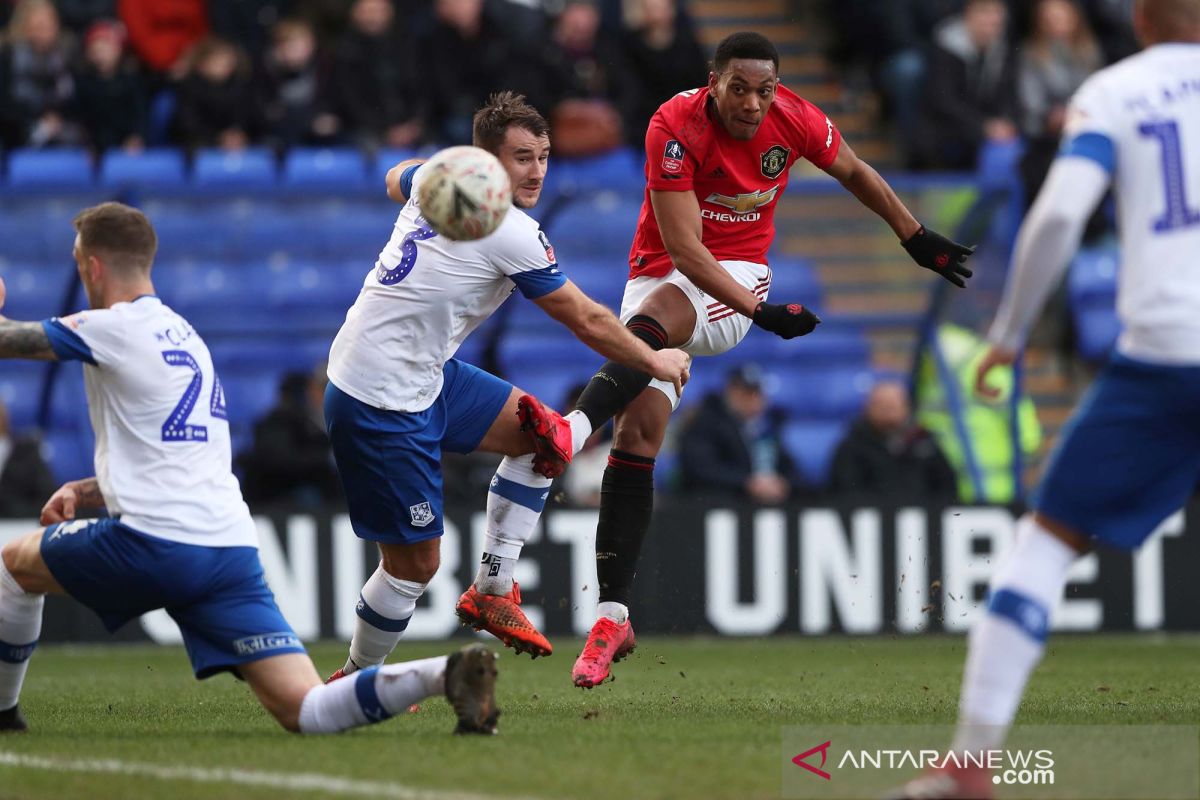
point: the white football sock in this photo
(581, 429)
(1007, 643)
(371, 696)
(617, 612)
(515, 501)
(384, 609)
(20, 626)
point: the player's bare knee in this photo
(19, 558)
(669, 307)
(417, 563)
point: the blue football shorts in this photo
(1129, 457)
(217, 595)
(390, 461)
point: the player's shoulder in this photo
(518, 232)
(686, 116)
(1128, 74)
(680, 106)
(790, 108)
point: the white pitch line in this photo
(299, 782)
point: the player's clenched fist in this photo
(944, 256)
(787, 321)
(61, 505)
(671, 365)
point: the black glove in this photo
(787, 321)
(945, 257)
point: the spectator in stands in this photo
(161, 32)
(886, 457)
(216, 98)
(970, 94)
(582, 83)
(78, 16)
(110, 101)
(36, 85)
(456, 86)
(290, 460)
(376, 87)
(291, 92)
(1057, 57)
(733, 446)
(1113, 23)
(249, 24)
(26, 482)
(660, 57)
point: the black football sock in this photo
(626, 502)
(616, 385)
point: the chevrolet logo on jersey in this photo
(743, 203)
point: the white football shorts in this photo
(718, 327)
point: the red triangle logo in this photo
(823, 749)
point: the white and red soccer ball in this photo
(464, 193)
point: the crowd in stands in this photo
(369, 73)
(959, 74)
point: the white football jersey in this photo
(1142, 117)
(425, 297)
(156, 405)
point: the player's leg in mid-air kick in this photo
(229, 622)
(390, 467)
(667, 312)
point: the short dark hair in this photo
(502, 110)
(120, 233)
(744, 44)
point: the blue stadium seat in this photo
(546, 367)
(160, 168)
(192, 235)
(831, 392)
(325, 170)
(830, 344)
(251, 170)
(20, 389)
(385, 159)
(61, 169)
(812, 445)
(249, 394)
(601, 279)
(360, 233)
(1096, 329)
(794, 280)
(306, 287)
(260, 237)
(70, 454)
(192, 287)
(35, 291)
(1094, 272)
(622, 170)
(599, 226)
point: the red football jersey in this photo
(738, 183)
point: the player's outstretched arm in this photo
(1050, 234)
(397, 188)
(70, 496)
(678, 217)
(599, 329)
(22, 339)
(929, 249)
(679, 221)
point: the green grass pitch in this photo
(686, 718)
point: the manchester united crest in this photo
(775, 160)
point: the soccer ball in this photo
(464, 193)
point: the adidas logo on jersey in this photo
(718, 173)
